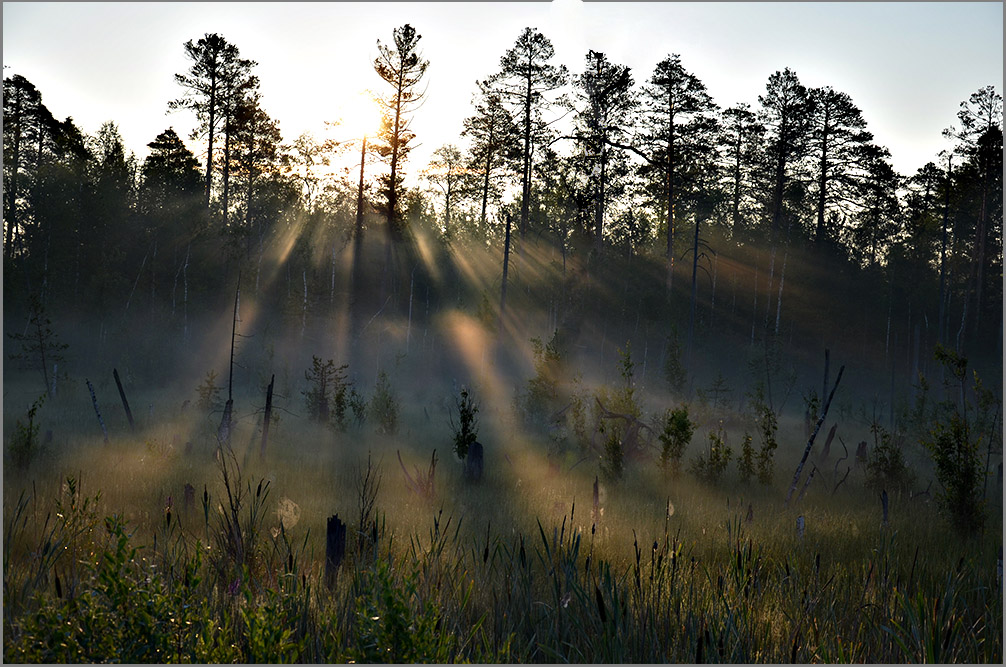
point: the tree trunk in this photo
(125, 403)
(810, 443)
(268, 415)
(506, 266)
(94, 401)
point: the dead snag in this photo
(268, 414)
(335, 549)
(810, 443)
(94, 400)
(125, 403)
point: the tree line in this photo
(597, 162)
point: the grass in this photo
(104, 560)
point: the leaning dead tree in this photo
(633, 425)
(810, 443)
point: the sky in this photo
(908, 66)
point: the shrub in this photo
(209, 392)
(543, 390)
(710, 467)
(886, 467)
(675, 438)
(383, 409)
(767, 424)
(466, 431)
(326, 398)
(612, 463)
(954, 450)
(674, 368)
(24, 444)
(746, 462)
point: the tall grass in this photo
(106, 560)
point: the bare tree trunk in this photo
(224, 431)
(810, 443)
(268, 415)
(94, 401)
(506, 267)
(782, 281)
(125, 403)
(943, 257)
(303, 313)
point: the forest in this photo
(273, 399)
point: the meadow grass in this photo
(104, 560)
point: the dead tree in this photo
(125, 403)
(810, 443)
(268, 414)
(335, 549)
(94, 400)
(224, 431)
(633, 426)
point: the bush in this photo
(768, 424)
(674, 368)
(746, 463)
(326, 398)
(209, 392)
(886, 467)
(612, 463)
(24, 445)
(710, 468)
(543, 390)
(675, 438)
(383, 410)
(955, 449)
(466, 431)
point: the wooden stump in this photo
(474, 462)
(335, 549)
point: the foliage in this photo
(466, 431)
(886, 467)
(674, 367)
(543, 396)
(24, 445)
(612, 463)
(39, 345)
(209, 392)
(358, 405)
(675, 438)
(709, 467)
(327, 396)
(393, 625)
(383, 407)
(746, 462)
(955, 450)
(767, 424)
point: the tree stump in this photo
(335, 548)
(474, 462)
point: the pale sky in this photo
(908, 66)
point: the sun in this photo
(358, 115)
